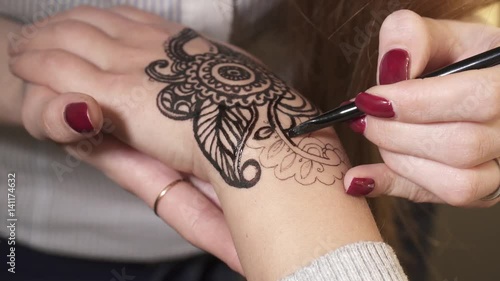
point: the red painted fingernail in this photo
(78, 118)
(358, 125)
(394, 67)
(374, 105)
(361, 187)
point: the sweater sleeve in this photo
(373, 261)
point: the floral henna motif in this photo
(222, 91)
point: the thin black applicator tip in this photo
(293, 133)
(304, 128)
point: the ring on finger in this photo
(163, 192)
(495, 194)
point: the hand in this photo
(438, 137)
(191, 208)
(193, 211)
(83, 51)
(76, 121)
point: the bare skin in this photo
(279, 223)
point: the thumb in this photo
(411, 45)
(62, 118)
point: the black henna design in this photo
(222, 91)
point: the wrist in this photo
(284, 221)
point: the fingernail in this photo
(394, 67)
(374, 105)
(78, 118)
(358, 125)
(361, 187)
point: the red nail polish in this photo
(374, 105)
(361, 187)
(358, 125)
(394, 67)
(78, 118)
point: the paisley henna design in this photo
(223, 91)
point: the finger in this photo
(475, 143)
(83, 40)
(111, 23)
(411, 45)
(75, 37)
(119, 26)
(137, 15)
(184, 208)
(147, 18)
(61, 118)
(472, 96)
(57, 70)
(457, 187)
(385, 182)
(64, 72)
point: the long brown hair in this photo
(327, 49)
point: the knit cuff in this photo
(373, 261)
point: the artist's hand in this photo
(439, 136)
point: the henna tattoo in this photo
(223, 91)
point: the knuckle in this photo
(417, 194)
(154, 30)
(465, 190)
(472, 145)
(197, 220)
(416, 104)
(52, 58)
(75, 32)
(68, 27)
(487, 93)
(119, 83)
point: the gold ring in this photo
(163, 192)
(495, 194)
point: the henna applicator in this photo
(350, 111)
